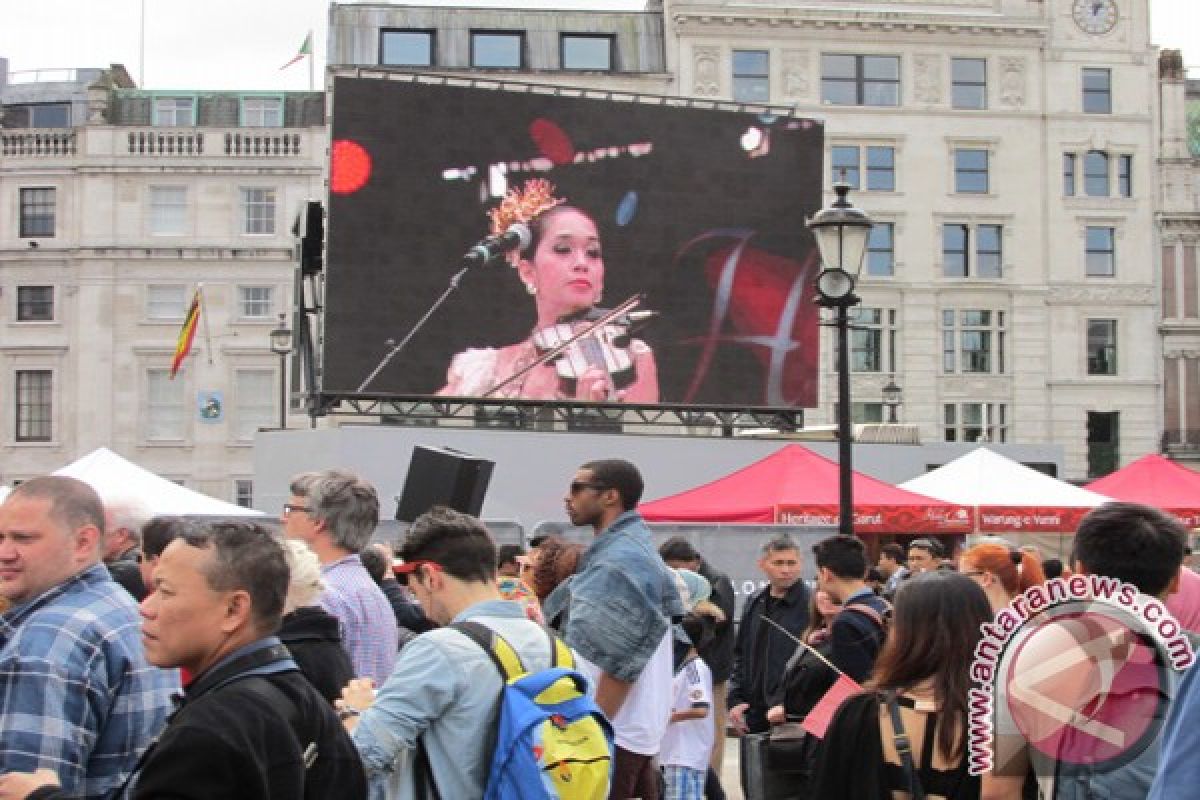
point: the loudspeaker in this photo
(440, 476)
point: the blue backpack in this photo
(552, 740)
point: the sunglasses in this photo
(289, 508)
(579, 486)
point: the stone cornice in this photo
(890, 21)
(1078, 294)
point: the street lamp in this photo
(891, 398)
(281, 345)
(841, 232)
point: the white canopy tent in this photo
(114, 477)
(1011, 499)
(4, 490)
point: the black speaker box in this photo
(440, 476)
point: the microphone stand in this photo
(454, 281)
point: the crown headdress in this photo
(523, 205)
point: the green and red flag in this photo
(305, 50)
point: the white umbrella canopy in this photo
(114, 477)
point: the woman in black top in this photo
(925, 667)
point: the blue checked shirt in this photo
(76, 693)
(368, 624)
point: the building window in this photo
(406, 48)
(165, 302)
(255, 302)
(586, 51)
(975, 422)
(751, 76)
(175, 111)
(1101, 259)
(988, 260)
(1103, 442)
(262, 112)
(880, 166)
(865, 413)
(35, 304)
(35, 409)
(38, 115)
(881, 250)
(256, 398)
(243, 492)
(971, 171)
(258, 211)
(1097, 90)
(969, 83)
(1125, 176)
(37, 213)
(1102, 347)
(855, 80)
(873, 340)
(1068, 166)
(168, 210)
(972, 341)
(1095, 174)
(497, 50)
(166, 406)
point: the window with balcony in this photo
(586, 51)
(1095, 174)
(1101, 347)
(881, 250)
(166, 406)
(848, 162)
(34, 405)
(35, 304)
(177, 112)
(406, 48)
(1097, 90)
(968, 87)
(256, 302)
(972, 251)
(1100, 252)
(972, 341)
(37, 115)
(258, 211)
(165, 302)
(873, 340)
(37, 212)
(168, 210)
(262, 112)
(497, 49)
(970, 171)
(751, 76)
(860, 80)
(975, 422)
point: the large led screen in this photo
(687, 223)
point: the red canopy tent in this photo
(1156, 481)
(795, 486)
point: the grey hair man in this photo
(124, 518)
(335, 512)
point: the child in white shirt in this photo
(688, 743)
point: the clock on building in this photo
(1095, 16)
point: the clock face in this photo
(1095, 16)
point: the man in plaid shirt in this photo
(76, 694)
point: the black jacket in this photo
(718, 653)
(232, 738)
(762, 651)
(126, 571)
(311, 634)
(409, 615)
(855, 638)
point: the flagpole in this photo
(311, 58)
(204, 319)
(142, 50)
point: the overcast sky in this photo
(241, 44)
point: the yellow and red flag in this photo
(187, 333)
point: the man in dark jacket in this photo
(377, 560)
(250, 725)
(761, 651)
(857, 633)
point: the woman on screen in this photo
(563, 269)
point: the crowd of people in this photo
(152, 657)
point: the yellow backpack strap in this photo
(501, 652)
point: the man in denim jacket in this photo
(622, 603)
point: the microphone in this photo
(516, 237)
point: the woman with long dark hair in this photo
(918, 690)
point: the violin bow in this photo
(555, 352)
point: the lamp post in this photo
(891, 398)
(281, 345)
(841, 232)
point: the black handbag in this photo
(777, 765)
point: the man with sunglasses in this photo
(621, 605)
